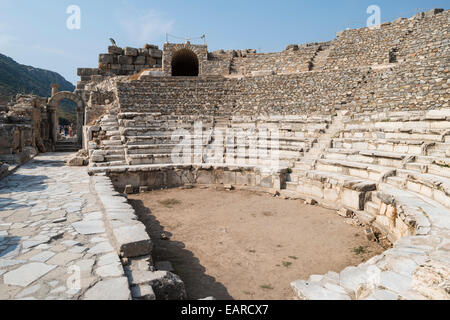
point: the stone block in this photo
(87, 72)
(353, 199)
(243, 178)
(128, 189)
(125, 60)
(150, 61)
(330, 195)
(205, 177)
(267, 182)
(133, 241)
(97, 158)
(76, 161)
(143, 52)
(105, 58)
(127, 67)
(229, 177)
(130, 51)
(115, 50)
(104, 66)
(140, 60)
(143, 292)
(157, 54)
(166, 285)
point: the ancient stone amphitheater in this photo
(360, 124)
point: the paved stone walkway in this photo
(53, 239)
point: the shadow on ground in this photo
(11, 246)
(23, 183)
(199, 285)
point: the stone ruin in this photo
(360, 124)
(24, 131)
(28, 126)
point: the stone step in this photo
(111, 142)
(371, 208)
(115, 152)
(114, 147)
(167, 159)
(395, 181)
(110, 164)
(291, 186)
(113, 158)
(67, 147)
(110, 127)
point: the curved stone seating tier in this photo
(392, 159)
(147, 138)
(417, 225)
(409, 147)
(405, 135)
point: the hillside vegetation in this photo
(18, 78)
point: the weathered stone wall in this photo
(176, 176)
(24, 129)
(294, 59)
(203, 95)
(429, 39)
(407, 86)
(424, 36)
(121, 61)
(218, 63)
(100, 97)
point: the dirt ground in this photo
(243, 245)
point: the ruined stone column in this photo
(54, 113)
(80, 122)
(55, 88)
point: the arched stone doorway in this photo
(53, 108)
(185, 64)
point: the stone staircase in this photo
(69, 146)
(321, 58)
(112, 152)
(316, 152)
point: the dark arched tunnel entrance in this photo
(185, 64)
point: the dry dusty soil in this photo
(244, 245)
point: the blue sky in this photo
(35, 32)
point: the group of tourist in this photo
(66, 131)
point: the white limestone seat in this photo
(427, 212)
(334, 190)
(382, 158)
(411, 136)
(352, 168)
